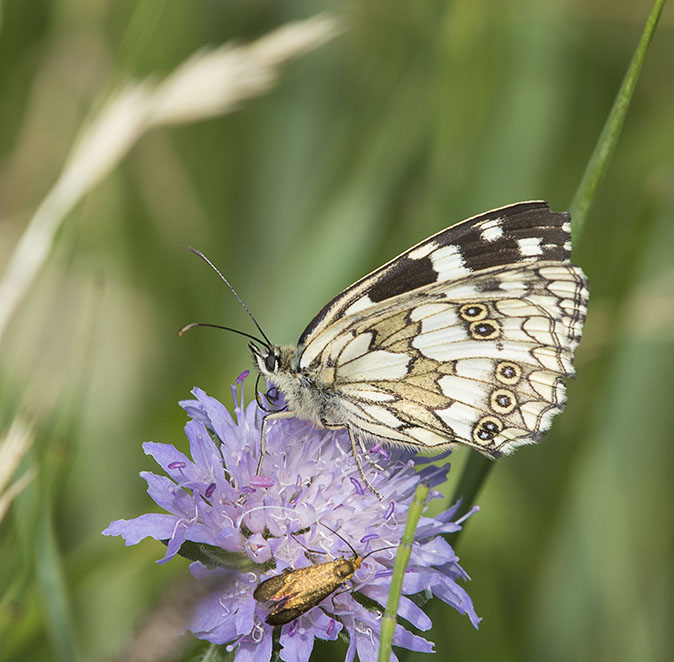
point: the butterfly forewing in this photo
(523, 231)
(464, 338)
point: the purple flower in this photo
(246, 528)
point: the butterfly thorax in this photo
(309, 395)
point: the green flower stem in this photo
(598, 163)
(388, 623)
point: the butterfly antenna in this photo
(238, 298)
(187, 327)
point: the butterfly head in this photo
(267, 358)
(272, 360)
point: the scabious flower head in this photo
(249, 528)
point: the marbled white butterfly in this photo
(464, 338)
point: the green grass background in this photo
(418, 115)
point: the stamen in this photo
(261, 481)
(237, 409)
(380, 450)
(383, 573)
(358, 486)
(209, 491)
(239, 380)
(179, 464)
(472, 511)
(389, 510)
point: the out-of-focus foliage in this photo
(418, 115)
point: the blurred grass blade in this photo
(13, 446)
(388, 623)
(53, 590)
(209, 83)
(598, 164)
(216, 653)
(477, 468)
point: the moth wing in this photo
(286, 615)
(276, 588)
(525, 231)
(294, 592)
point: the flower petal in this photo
(254, 651)
(405, 639)
(167, 494)
(406, 609)
(297, 643)
(176, 464)
(324, 626)
(159, 526)
(205, 453)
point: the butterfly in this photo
(463, 339)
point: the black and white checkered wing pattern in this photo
(523, 232)
(474, 351)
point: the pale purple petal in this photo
(167, 494)
(244, 618)
(324, 626)
(407, 609)
(436, 551)
(177, 465)
(405, 639)
(254, 651)
(205, 453)
(434, 475)
(456, 596)
(159, 526)
(176, 541)
(296, 644)
(210, 618)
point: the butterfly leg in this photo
(356, 456)
(370, 457)
(274, 416)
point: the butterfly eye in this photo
(271, 362)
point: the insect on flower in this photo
(200, 498)
(294, 592)
(465, 338)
